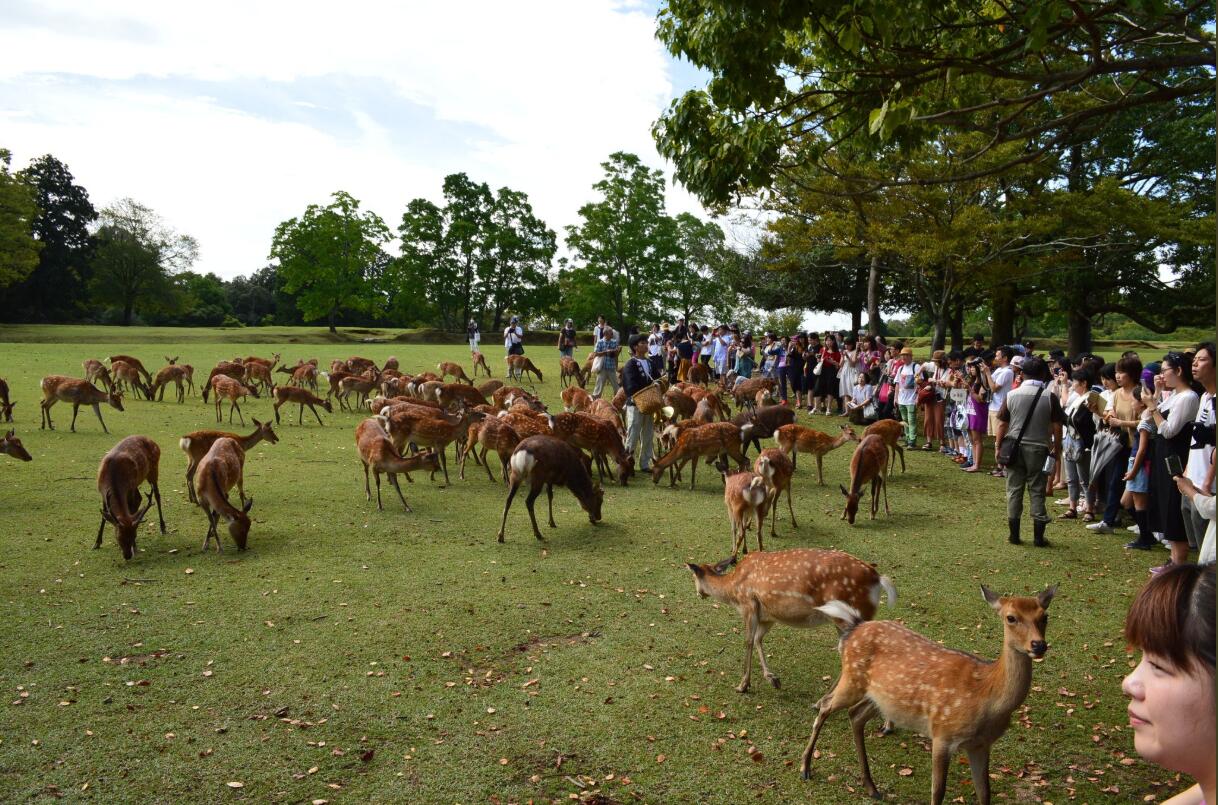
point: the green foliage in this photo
(18, 212)
(328, 256)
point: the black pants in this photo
(516, 349)
(1114, 480)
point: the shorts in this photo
(993, 420)
(473, 345)
(1141, 481)
(566, 352)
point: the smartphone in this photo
(1174, 467)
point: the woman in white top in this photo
(852, 358)
(1173, 418)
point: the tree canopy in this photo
(18, 212)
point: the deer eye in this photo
(1010, 618)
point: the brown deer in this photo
(745, 391)
(492, 434)
(226, 388)
(391, 364)
(452, 394)
(765, 420)
(480, 361)
(748, 499)
(230, 369)
(709, 442)
(196, 444)
(957, 699)
(188, 376)
(698, 374)
(95, 370)
(519, 366)
(796, 439)
(377, 451)
(401, 419)
(487, 388)
(525, 424)
(360, 365)
(127, 465)
(269, 363)
(132, 362)
(710, 397)
(292, 394)
(777, 469)
(789, 587)
(544, 461)
(504, 396)
(56, 388)
(596, 436)
(891, 431)
(305, 376)
(6, 405)
(867, 464)
(569, 372)
(575, 398)
(11, 445)
(221, 468)
(258, 374)
(683, 404)
(446, 368)
(170, 374)
(127, 376)
(361, 385)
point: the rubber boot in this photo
(1014, 537)
(1038, 534)
(1145, 540)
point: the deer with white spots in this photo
(957, 699)
(789, 587)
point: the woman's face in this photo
(1171, 376)
(1171, 712)
(1080, 386)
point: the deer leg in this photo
(693, 472)
(393, 479)
(239, 414)
(760, 517)
(528, 502)
(750, 628)
(860, 714)
(901, 452)
(503, 462)
(486, 465)
(314, 410)
(367, 483)
(276, 407)
(75, 410)
(507, 504)
(979, 765)
(759, 633)
(550, 496)
(444, 462)
(939, 757)
(875, 495)
(377, 474)
(101, 531)
(884, 486)
(190, 481)
(820, 470)
(826, 707)
(156, 493)
(790, 505)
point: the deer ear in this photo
(696, 569)
(844, 492)
(992, 598)
(1046, 596)
(257, 424)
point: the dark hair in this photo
(1035, 368)
(897, 345)
(1131, 365)
(1173, 617)
(979, 337)
(1108, 372)
(1081, 376)
(1129, 353)
(1183, 363)
(1207, 346)
(1007, 352)
(1064, 364)
(955, 355)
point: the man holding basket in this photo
(640, 430)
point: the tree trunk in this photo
(128, 307)
(1002, 330)
(856, 321)
(1078, 333)
(330, 319)
(874, 325)
(957, 327)
(940, 331)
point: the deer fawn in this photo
(127, 465)
(777, 469)
(127, 376)
(439, 433)
(6, 406)
(377, 451)
(748, 499)
(135, 363)
(95, 370)
(228, 389)
(221, 468)
(492, 434)
(569, 369)
(544, 461)
(78, 393)
(258, 374)
(868, 463)
(170, 374)
(12, 446)
(196, 444)
(891, 431)
(446, 368)
(707, 441)
(294, 394)
(960, 701)
(698, 374)
(796, 439)
(519, 366)
(480, 361)
(789, 587)
(598, 437)
(574, 398)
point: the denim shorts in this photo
(1141, 481)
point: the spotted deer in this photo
(571, 373)
(575, 398)
(221, 468)
(519, 366)
(479, 361)
(95, 370)
(446, 368)
(196, 444)
(226, 388)
(128, 377)
(123, 469)
(170, 374)
(796, 439)
(777, 469)
(492, 434)
(230, 369)
(599, 438)
(294, 394)
(788, 587)
(958, 700)
(748, 499)
(56, 388)
(377, 453)
(133, 362)
(708, 442)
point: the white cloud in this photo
(114, 91)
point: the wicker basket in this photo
(649, 400)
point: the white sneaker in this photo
(1133, 529)
(1166, 543)
(1062, 502)
(1100, 527)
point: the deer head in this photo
(626, 469)
(126, 527)
(593, 506)
(1024, 620)
(701, 572)
(265, 431)
(852, 505)
(239, 524)
(12, 445)
(171, 361)
(849, 433)
(116, 400)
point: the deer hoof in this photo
(775, 681)
(743, 687)
(805, 773)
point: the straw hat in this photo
(907, 351)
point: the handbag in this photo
(1010, 446)
(598, 362)
(926, 394)
(819, 366)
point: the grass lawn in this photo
(353, 655)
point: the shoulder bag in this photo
(1010, 446)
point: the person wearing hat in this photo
(905, 372)
(1034, 418)
(473, 336)
(1001, 380)
(640, 428)
(566, 339)
(605, 360)
(513, 337)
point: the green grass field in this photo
(353, 655)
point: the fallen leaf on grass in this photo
(905, 772)
(236, 784)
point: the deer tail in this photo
(890, 591)
(841, 613)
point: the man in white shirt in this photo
(1001, 379)
(513, 337)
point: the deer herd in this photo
(960, 701)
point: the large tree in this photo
(136, 258)
(522, 248)
(700, 258)
(328, 256)
(18, 212)
(625, 242)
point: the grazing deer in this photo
(228, 389)
(56, 388)
(452, 394)
(525, 424)
(258, 374)
(597, 437)
(683, 404)
(132, 362)
(575, 398)
(570, 372)
(745, 392)
(391, 364)
(544, 461)
(446, 368)
(377, 451)
(229, 369)
(765, 420)
(221, 468)
(269, 363)
(504, 396)
(170, 374)
(362, 385)
(520, 365)
(789, 587)
(480, 361)
(127, 465)
(492, 434)
(748, 499)
(293, 394)
(868, 463)
(11, 445)
(487, 388)
(401, 419)
(96, 370)
(891, 431)
(439, 434)
(360, 365)
(959, 700)
(196, 444)
(698, 374)
(707, 441)
(777, 469)
(796, 439)
(127, 376)
(6, 406)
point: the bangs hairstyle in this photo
(1173, 617)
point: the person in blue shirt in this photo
(605, 360)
